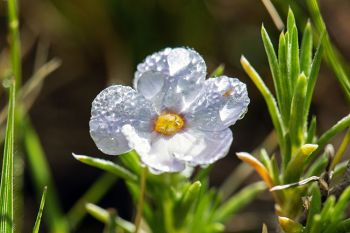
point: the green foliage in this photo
(6, 185)
(178, 204)
(294, 72)
(40, 212)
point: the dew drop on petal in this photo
(178, 59)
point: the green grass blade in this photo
(238, 201)
(218, 71)
(94, 194)
(297, 125)
(107, 166)
(306, 50)
(314, 208)
(41, 175)
(274, 67)
(334, 130)
(294, 54)
(269, 99)
(283, 71)
(103, 216)
(315, 67)
(341, 205)
(311, 132)
(40, 212)
(333, 59)
(6, 185)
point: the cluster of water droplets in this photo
(113, 108)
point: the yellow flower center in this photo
(169, 123)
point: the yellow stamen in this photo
(169, 123)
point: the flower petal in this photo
(223, 102)
(200, 147)
(114, 107)
(153, 151)
(171, 78)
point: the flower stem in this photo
(138, 216)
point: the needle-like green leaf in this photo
(40, 212)
(306, 50)
(6, 185)
(107, 166)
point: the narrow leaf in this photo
(311, 133)
(298, 124)
(40, 171)
(296, 166)
(315, 207)
(107, 166)
(274, 67)
(285, 81)
(103, 216)
(306, 50)
(238, 201)
(258, 166)
(40, 212)
(269, 99)
(290, 226)
(6, 185)
(315, 67)
(294, 57)
(218, 71)
(94, 194)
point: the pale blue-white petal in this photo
(113, 108)
(223, 101)
(153, 150)
(172, 78)
(200, 147)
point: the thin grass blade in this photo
(41, 175)
(6, 185)
(40, 212)
(107, 166)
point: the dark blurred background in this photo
(101, 42)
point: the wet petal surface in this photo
(171, 79)
(113, 108)
(200, 147)
(153, 151)
(223, 101)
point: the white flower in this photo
(174, 117)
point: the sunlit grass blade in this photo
(334, 130)
(41, 175)
(103, 216)
(341, 150)
(218, 71)
(332, 58)
(285, 81)
(306, 50)
(40, 212)
(238, 201)
(269, 99)
(294, 56)
(274, 67)
(6, 185)
(186, 202)
(315, 67)
(94, 194)
(258, 166)
(297, 124)
(296, 166)
(107, 166)
(311, 132)
(290, 226)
